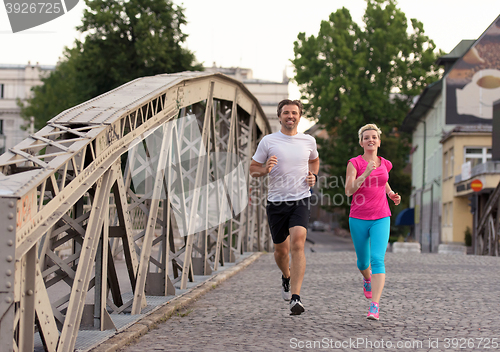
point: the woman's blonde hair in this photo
(369, 127)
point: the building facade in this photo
(466, 153)
(268, 93)
(16, 82)
(451, 126)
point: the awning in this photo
(406, 217)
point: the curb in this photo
(165, 311)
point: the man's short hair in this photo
(289, 102)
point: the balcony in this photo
(488, 173)
(489, 167)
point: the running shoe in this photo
(296, 307)
(367, 288)
(285, 289)
(373, 311)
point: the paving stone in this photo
(427, 298)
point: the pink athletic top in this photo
(369, 202)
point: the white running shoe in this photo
(296, 307)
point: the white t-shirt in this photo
(287, 179)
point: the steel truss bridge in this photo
(487, 226)
(136, 172)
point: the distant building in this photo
(16, 82)
(268, 93)
(451, 123)
(470, 145)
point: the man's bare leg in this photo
(282, 256)
(297, 237)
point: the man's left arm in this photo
(313, 172)
(314, 165)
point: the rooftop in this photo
(467, 129)
(22, 66)
(261, 81)
(457, 52)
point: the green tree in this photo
(124, 40)
(351, 75)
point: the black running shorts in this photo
(284, 215)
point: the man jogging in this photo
(291, 160)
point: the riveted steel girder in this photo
(71, 203)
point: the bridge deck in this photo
(93, 338)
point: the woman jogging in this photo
(369, 219)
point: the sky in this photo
(257, 34)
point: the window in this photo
(450, 214)
(1, 90)
(433, 164)
(1, 126)
(445, 211)
(452, 162)
(477, 155)
(448, 164)
(445, 166)
(448, 220)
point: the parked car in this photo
(319, 226)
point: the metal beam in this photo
(55, 195)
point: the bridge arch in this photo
(155, 170)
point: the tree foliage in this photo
(351, 75)
(124, 40)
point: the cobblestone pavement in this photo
(430, 302)
(327, 242)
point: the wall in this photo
(453, 228)
(427, 201)
(268, 93)
(18, 81)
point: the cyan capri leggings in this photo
(370, 238)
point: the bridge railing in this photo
(155, 170)
(487, 231)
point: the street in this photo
(326, 241)
(430, 302)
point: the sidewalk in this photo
(430, 302)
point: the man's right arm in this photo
(258, 169)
